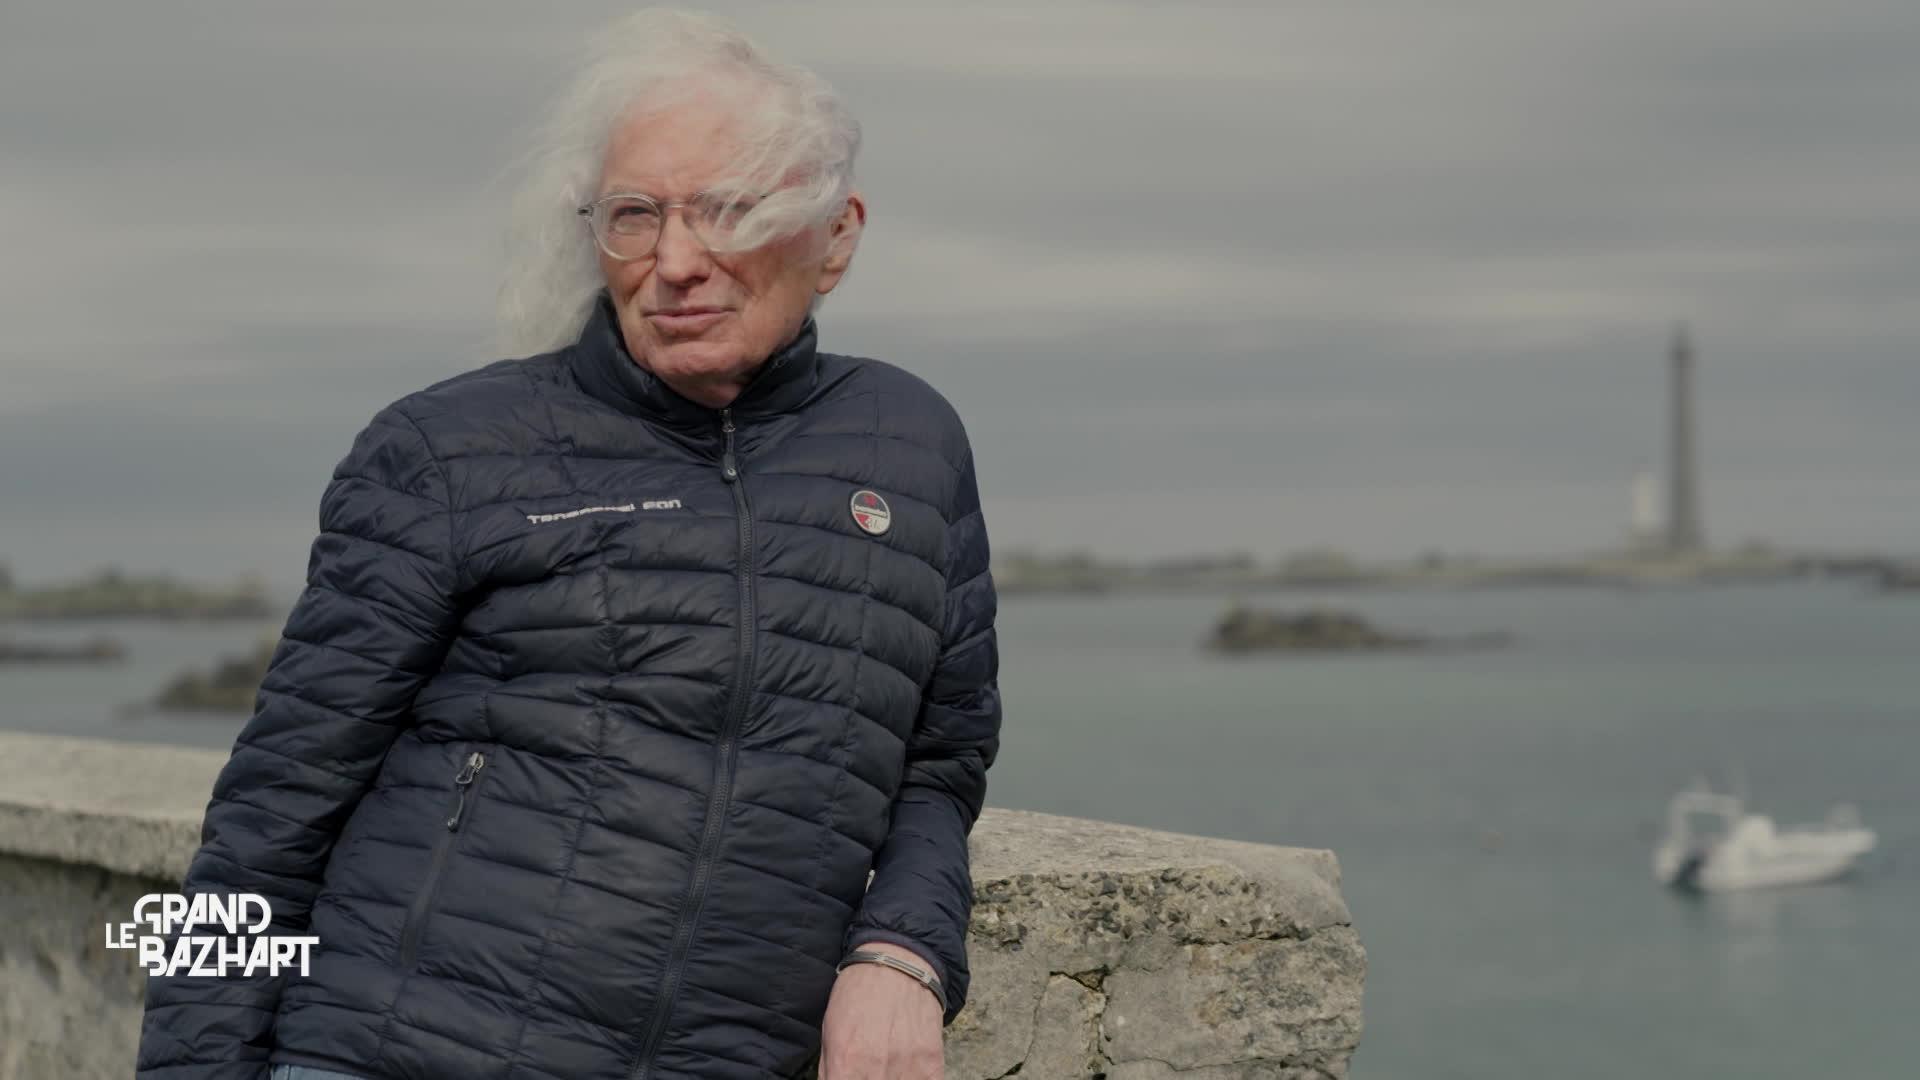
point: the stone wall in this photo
(1098, 950)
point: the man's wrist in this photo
(900, 959)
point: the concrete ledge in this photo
(1097, 949)
(130, 808)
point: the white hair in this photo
(795, 133)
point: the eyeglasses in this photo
(627, 226)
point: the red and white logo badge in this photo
(870, 512)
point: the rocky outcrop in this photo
(1901, 577)
(97, 651)
(1246, 630)
(230, 686)
(111, 594)
(1097, 949)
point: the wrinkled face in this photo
(704, 322)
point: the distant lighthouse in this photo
(1684, 531)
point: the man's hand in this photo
(881, 1025)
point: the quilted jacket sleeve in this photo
(921, 896)
(371, 626)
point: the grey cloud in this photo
(1382, 274)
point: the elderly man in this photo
(640, 700)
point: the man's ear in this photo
(843, 237)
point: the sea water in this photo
(1494, 811)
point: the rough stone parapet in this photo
(1097, 949)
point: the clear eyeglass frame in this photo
(703, 218)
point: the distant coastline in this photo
(1027, 572)
(111, 594)
(96, 651)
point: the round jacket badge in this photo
(870, 512)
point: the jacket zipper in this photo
(423, 901)
(725, 754)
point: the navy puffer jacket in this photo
(596, 712)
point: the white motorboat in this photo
(1714, 845)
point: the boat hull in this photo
(1804, 860)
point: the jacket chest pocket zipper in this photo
(459, 811)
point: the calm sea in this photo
(1493, 811)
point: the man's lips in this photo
(687, 320)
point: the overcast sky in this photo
(1389, 275)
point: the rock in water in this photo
(1244, 629)
(98, 651)
(230, 687)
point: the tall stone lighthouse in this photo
(1684, 531)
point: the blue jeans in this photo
(302, 1072)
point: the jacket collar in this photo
(606, 370)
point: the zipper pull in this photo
(463, 780)
(728, 467)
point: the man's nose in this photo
(678, 255)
